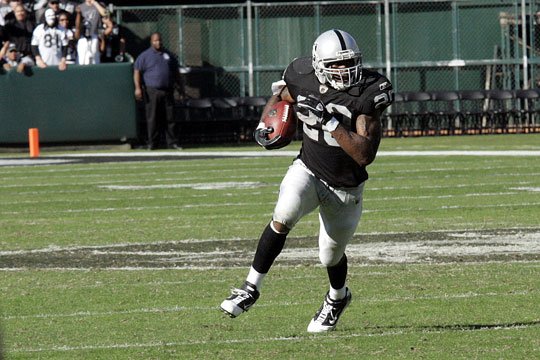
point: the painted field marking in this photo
(262, 153)
(68, 158)
(327, 337)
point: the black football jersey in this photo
(320, 151)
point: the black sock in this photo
(270, 245)
(338, 273)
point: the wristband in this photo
(332, 124)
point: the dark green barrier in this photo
(83, 103)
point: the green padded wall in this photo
(83, 103)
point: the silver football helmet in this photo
(337, 60)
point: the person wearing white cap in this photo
(49, 44)
(11, 58)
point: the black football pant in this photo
(160, 116)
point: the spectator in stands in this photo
(88, 22)
(113, 45)
(19, 31)
(9, 11)
(49, 43)
(64, 25)
(10, 58)
(4, 9)
(59, 7)
(155, 74)
(50, 4)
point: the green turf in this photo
(63, 300)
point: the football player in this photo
(340, 105)
(49, 43)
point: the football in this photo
(277, 127)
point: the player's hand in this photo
(312, 106)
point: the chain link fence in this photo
(240, 49)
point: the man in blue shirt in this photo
(155, 73)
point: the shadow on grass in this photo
(462, 327)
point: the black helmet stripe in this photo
(341, 39)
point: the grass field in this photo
(129, 257)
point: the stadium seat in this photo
(445, 116)
(199, 110)
(501, 110)
(528, 108)
(471, 111)
(393, 117)
(416, 113)
(225, 108)
(252, 108)
(227, 126)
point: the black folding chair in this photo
(393, 118)
(416, 113)
(225, 108)
(444, 112)
(471, 111)
(527, 108)
(199, 110)
(252, 108)
(501, 110)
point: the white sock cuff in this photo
(255, 277)
(337, 294)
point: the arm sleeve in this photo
(35, 50)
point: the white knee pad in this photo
(331, 253)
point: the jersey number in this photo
(320, 135)
(50, 40)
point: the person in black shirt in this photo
(113, 44)
(340, 105)
(19, 31)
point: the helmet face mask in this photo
(337, 60)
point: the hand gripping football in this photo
(277, 126)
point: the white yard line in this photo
(252, 340)
(66, 158)
(286, 153)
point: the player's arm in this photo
(279, 92)
(363, 144)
